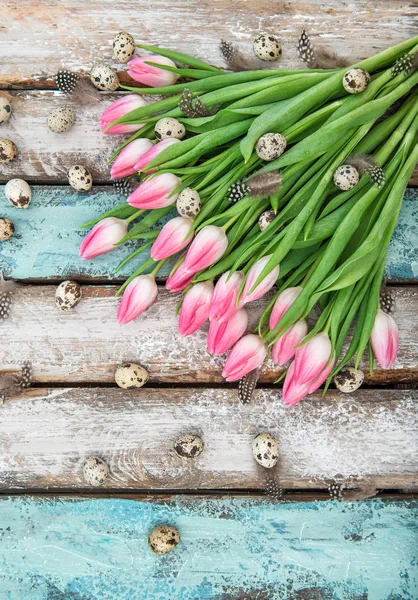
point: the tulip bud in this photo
(119, 109)
(207, 248)
(155, 192)
(312, 358)
(124, 164)
(294, 391)
(149, 75)
(139, 294)
(152, 153)
(103, 237)
(173, 237)
(224, 299)
(283, 303)
(247, 354)
(179, 280)
(263, 287)
(195, 308)
(285, 347)
(385, 339)
(222, 336)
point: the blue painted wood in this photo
(48, 236)
(229, 549)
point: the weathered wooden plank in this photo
(45, 435)
(48, 236)
(230, 549)
(39, 38)
(45, 156)
(86, 344)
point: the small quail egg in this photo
(123, 46)
(8, 150)
(18, 193)
(188, 203)
(130, 375)
(79, 178)
(188, 446)
(348, 379)
(265, 219)
(7, 229)
(61, 119)
(267, 47)
(168, 127)
(95, 471)
(355, 80)
(68, 295)
(346, 177)
(270, 146)
(5, 109)
(104, 77)
(266, 450)
(163, 539)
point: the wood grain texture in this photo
(48, 237)
(40, 37)
(45, 156)
(45, 435)
(86, 344)
(229, 550)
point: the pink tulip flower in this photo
(124, 164)
(155, 192)
(247, 354)
(103, 237)
(195, 308)
(285, 347)
(152, 153)
(283, 303)
(224, 299)
(264, 286)
(207, 247)
(179, 280)
(119, 109)
(152, 76)
(173, 237)
(294, 391)
(222, 336)
(137, 297)
(312, 358)
(385, 339)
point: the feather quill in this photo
(366, 490)
(192, 109)
(318, 58)
(364, 163)
(85, 94)
(246, 386)
(264, 184)
(235, 59)
(9, 385)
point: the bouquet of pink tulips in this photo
(283, 178)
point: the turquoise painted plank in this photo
(230, 549)
(48, 235)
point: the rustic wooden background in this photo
(61, 540)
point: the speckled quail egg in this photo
(265, 450)
(167, 127)
(123, 46)
(7, 229)
(267, 47)
(188, 203)
(95, 471)
(130, 375)
(8, 150)
(68, 295)
(188, 446)
(265, 219)
(348, 379)
(61, 119)
(5, 109)
(270, 146)
(346, 177)
(163, 539)
(104, 77)
(18, 193)
(79, 178)
(355, 80)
